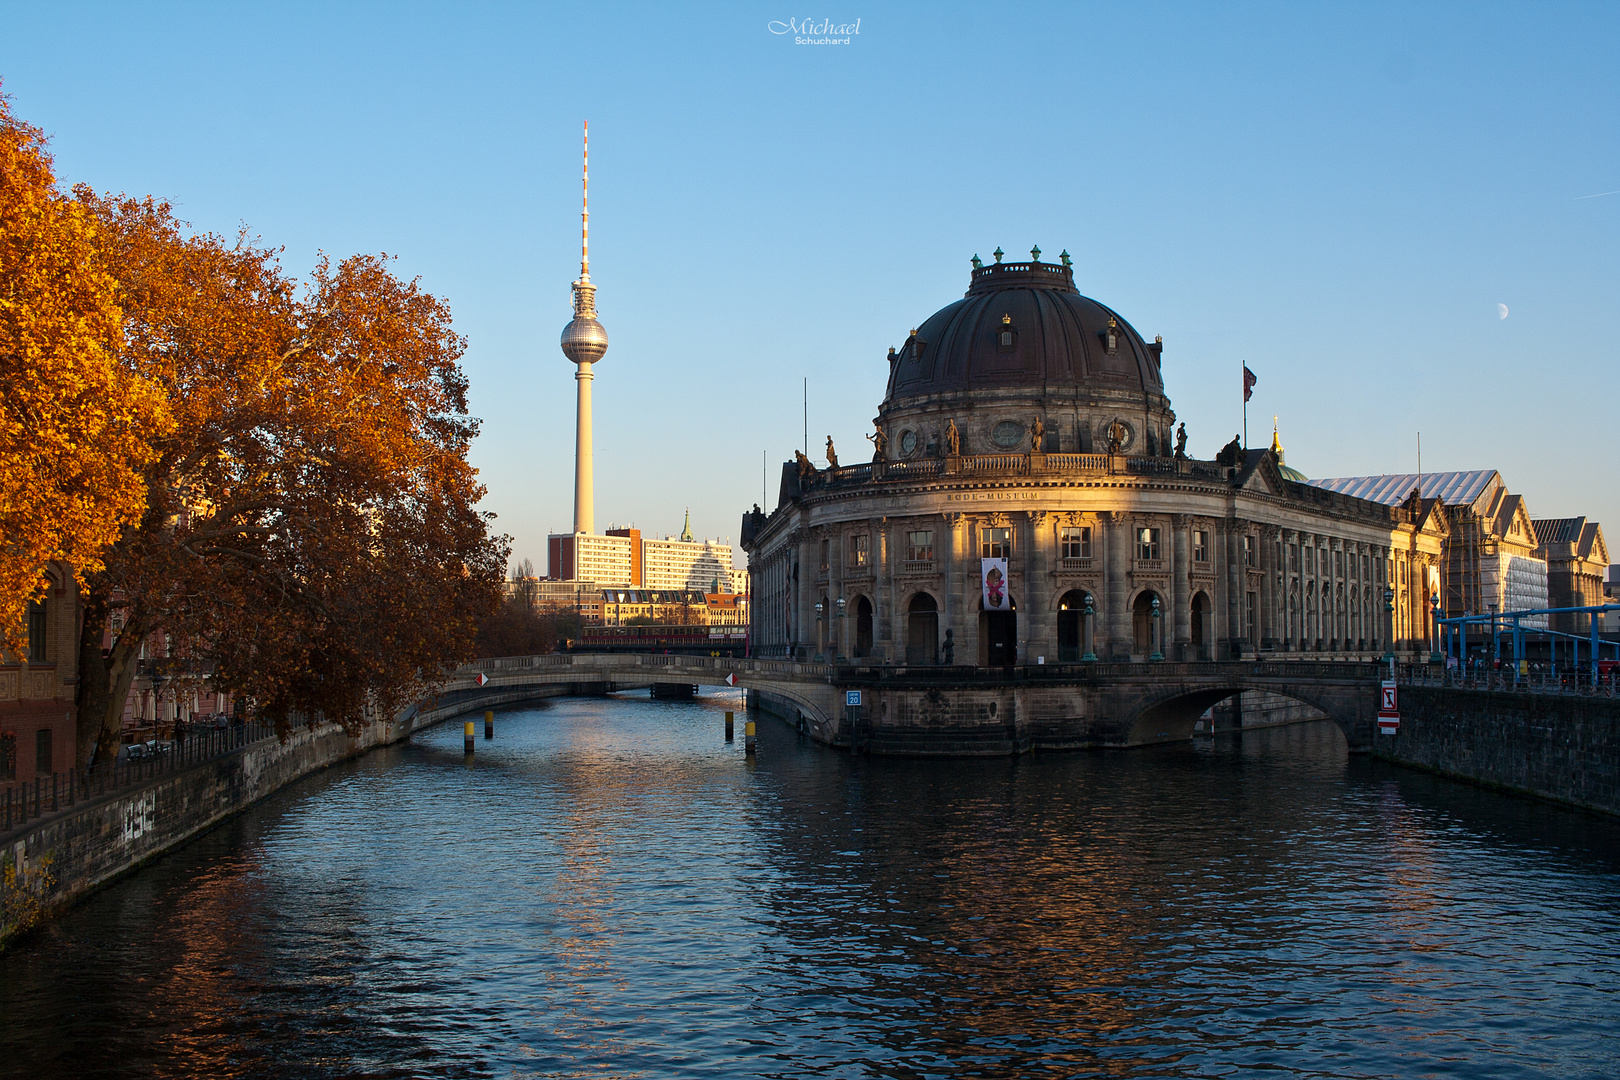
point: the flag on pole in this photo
(1248, 383)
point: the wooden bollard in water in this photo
(467, 731)
(729, 735)
(489, 724)
(748, 737)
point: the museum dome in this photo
(1024, 326)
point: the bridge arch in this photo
(1172, 715)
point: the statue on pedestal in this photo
(832, 455)
(953, 439)
(880, 441)
(947, 651)
(1181, 442)
(1037, 433)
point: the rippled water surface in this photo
(609, 890)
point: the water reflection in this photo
(609, 889)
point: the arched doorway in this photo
(863, 627)
(1071, 626)
(922, 630)
(998, 635)
(1142, 623)
(1200, 626)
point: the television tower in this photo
(584, 341)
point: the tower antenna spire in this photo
(585, 209)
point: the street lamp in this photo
(1158, 631)
(841, 628)
(819, 610)
(1434, 641)
(1389, 625)
(1090, 629)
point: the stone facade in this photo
(1133, 553)
(37, 710)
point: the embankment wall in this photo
(1564, 748)
(68, 855)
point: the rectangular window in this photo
(857, 549)
(1147, 543)
(42, 751)
(36, 633)
(1248, 551)
(1338, 564)
(1403, 573)
(1251, 610)
(996, 543)
(1200, 545)
(824, 554)
(1293, 557)
(1077, 542)
(1310, 560)
(920, 546)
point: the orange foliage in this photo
(74, 425)
(310, 533)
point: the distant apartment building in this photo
(673, 607)
(623, 557)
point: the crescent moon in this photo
(1501, 311)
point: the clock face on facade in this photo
(908, 442)
(1007, 434)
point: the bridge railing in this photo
(1568, 683)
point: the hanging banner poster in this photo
(994, 576)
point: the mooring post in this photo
(748, 736)
(489, 723)
(467, 740)
(729, 736)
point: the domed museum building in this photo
(1030, 501)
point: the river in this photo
(609, 890)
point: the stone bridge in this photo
(951, 710)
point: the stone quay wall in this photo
(68, 855)
(1560, 747)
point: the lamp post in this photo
(1389, 626)
(843, 631)
(1090, 630)
(820, 630)
(1434, 640)
(1158, 632)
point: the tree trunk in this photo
(104, 681)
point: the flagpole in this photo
(1245, 381)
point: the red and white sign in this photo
(1389, 717)
(731, 680)
(482, 678)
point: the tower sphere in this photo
(584, 341)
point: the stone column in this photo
(804, 615)
(1039, 628)
(949, 557)
(1116, 643)
(1180, 589)
(967, 586)
(1266, 619)
(883, 591)
(1232, 548)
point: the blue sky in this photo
(1339, 196)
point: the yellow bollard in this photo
(729, 735)
(489, 723)
(748, 737)
(467, 731)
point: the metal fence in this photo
(1506, 680)
(29, 800)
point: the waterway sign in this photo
(731, 679)
(852, 698)
(482, 678)
(1389, 718)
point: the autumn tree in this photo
(75, 425)
(310, 534)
